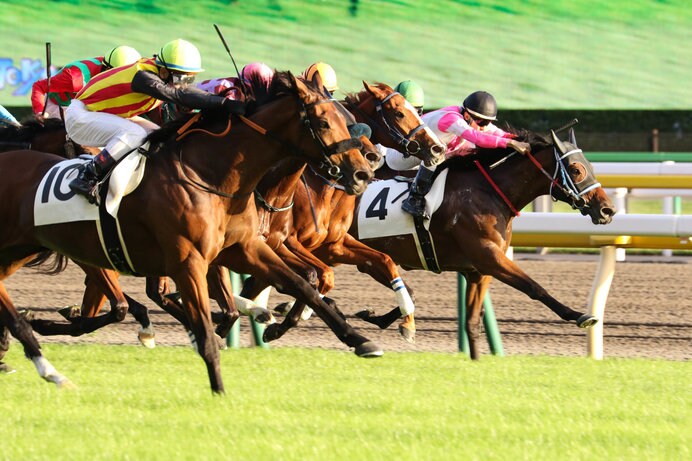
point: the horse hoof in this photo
(6, 369)
(307, 313)
(147, 340)
(223, 345)
(26, 314)
(70, 312)
(586, 321)
(368, 350)
(408, 334)
(365, 314)
(66, 384)
(271, 333)
(283, 308)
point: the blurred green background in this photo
(540, 54)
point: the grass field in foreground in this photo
(302, 404)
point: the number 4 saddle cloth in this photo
(380, 213)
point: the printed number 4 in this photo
(378, 206)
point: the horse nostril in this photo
(373, 157)
(437, 149)
(607, 211)
(362, 176)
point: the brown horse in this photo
(315, 232)
(192, 209)
(51, 137)
(47, 137)
(473, 227)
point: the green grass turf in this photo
(620, 54)
(305, 404)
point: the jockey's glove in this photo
(234, 107)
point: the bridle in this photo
(326, 151)
(410, 147)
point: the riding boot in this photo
(415, 202)
(90, 173)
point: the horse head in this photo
(324, 140)
(397, 123)
(578, 184)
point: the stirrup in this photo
(415, 209)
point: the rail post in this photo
(233, 339)
(492, 331)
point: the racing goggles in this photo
(182, 79)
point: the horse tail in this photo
(54, 266)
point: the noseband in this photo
(575, 191)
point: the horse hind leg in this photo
(20, 329)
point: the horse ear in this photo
(572, 138)
(301, 88)
(557, 142)
(373, 90)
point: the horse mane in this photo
(488, 156)
(29, 129)
(356, 98)
(280, 86)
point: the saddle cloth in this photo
(380, 213)
(55, 203)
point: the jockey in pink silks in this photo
(461, 128)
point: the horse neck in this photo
(281, 180)
(522, 181)
(364, 110)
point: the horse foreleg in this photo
(20, 329)
(493, 262)
(221, 291)
(382, 268)
(256, 258)
(191, 280)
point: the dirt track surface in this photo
(649, 310)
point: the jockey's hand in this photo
(40, 118)
(234, 107)
(522, 147)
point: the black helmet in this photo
(481, 104)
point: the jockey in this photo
(71, 79)
(7, 119)
(328, 76)
(462, 129)
(326, 72)
(107, 110)
(234, 90)
(413, 93)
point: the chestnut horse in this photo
(192, 209)
(315, 231)
(473, 227)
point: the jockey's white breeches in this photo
(398, 162)
(94, 129)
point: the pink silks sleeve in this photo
(486, 140)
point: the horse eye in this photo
(399, 114)
(324, 125)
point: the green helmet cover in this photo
(412, 91)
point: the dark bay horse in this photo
(473, 227)
(48, 137)
(194, 208)
(314, 234)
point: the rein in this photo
(271, 208)
(570, 189)
(312, 205)
(342, 146)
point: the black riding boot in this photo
(89, 174)
(415, 202)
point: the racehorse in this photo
(473, 226)
(192, 209)
(315, 231)
(47, 137)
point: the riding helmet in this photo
(481, 104)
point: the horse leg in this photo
(493, 262)
(20, 329)
(221, 291)
(158, 290)
(191, 280)
(476, 288)
(99, 282)
(381, 268)
(4, 347)
(256, 258)
(146, 334)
